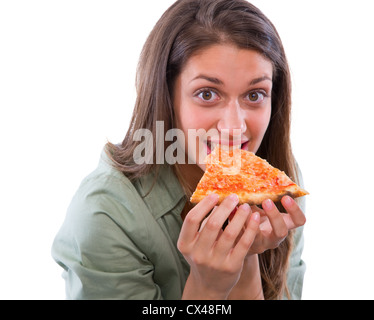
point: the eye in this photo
(207, 95)
(257, 96)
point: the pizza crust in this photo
(254, 199)
(257, 198)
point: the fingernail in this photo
(234, 197)
(245, 207)
(288, 200)
(256, 216)
(214, 197)
(268, 204)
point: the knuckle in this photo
(272, 245)
(181, 245)
(192, 219)
(212, 225)
(261, 250)
(282, 233)
(198, 259)
(229, 235)
(276, 244)
(303, 221)
(248, 242)
(230, 269)
(245, 245)
(258, 249)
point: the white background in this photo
(67, 71)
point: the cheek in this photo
(191, 117)
(257, 124)
(194, 125)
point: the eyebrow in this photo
(210, 79)
(258, 80)
(219, 82)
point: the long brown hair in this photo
(192, 25)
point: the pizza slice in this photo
(245, 174)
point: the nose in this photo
(232, 121)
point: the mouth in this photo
(230, 144)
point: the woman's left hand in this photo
(274, 225)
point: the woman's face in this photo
(223, 95)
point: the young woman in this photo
(130, 231)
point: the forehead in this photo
(228, 60)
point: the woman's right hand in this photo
(216, 257)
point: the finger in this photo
(220, 231)
(210, 232)
(206, 219)
(254, 209)
(233, 230)
(288, 221)
(297, 215)
(278, 225)
(257, 209)
(193, 218)
(244, 244)
(232, 214)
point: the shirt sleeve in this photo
(98, 255)
(295, 276)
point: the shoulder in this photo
(107, 201)
(106, 198)
(108, 188)
(105, 189)
(104, 217)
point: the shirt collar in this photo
(163, 193)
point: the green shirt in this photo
(119, 239)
